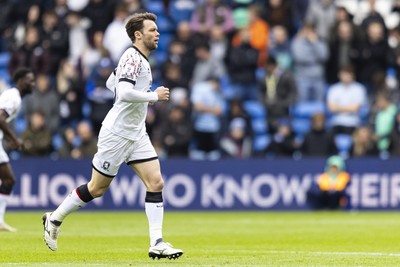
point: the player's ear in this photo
(138, 35)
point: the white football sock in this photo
(70, 204)
(3, 205)
(155, 214)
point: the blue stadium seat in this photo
(261, 142)
(57, 141)
(181, 10)
(154, 6)
(254, 108)
(4, 59)
(300, 126)
(159, 56)
(164, 41)
(259, 126)
(164, 24)
(307, 109)
(343, 143)
(20, 125)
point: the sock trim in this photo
(153, 197)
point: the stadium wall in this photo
(208, 185)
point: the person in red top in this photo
(330, 191)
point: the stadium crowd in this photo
(248, 78)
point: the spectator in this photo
(258, 31)
(37, 138)
(330, 191)
(88, 142)
(70, 89)
(322, 14)
(77, 39)
(100, 13)
(100, 98)
(394, 147)
(339, 51)
(115, 38)
(218, 43)
(236, 110)
(172, 76)
(208, 107)
(236, 143)
(372, 56)
(364, 144)
(45, 99)
(373, 16)
(206, 66)
(384, 120)
(93, 54)
(19, 29)
(31, 54)
(318, 142)
(309, 56)
(212, 13)
(278, 89)
(344, 101)
(187, 58)
(177, 133)
(279, 12)
(54, 37)
(69, 142)
(283, 142)
(279, 47)
(242, 60)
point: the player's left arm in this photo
(13, 141)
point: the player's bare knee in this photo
(156, 185)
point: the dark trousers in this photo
(318, 199)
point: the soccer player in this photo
(10, 104)
(123, 138)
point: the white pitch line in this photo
(341, 253)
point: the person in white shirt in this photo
(10, 104)
(123, 138)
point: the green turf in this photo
(209, 239)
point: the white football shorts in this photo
(113, 150)
(3, 154)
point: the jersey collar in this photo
(140, 52)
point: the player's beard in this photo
(150, 45)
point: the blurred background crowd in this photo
(248, 78)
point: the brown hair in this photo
(135, 23)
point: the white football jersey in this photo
(10, 102)
(124, 118)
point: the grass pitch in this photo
(209, 239)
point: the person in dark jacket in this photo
(241, 63)
(279, 91)
(318, 141)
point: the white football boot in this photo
(7, 228)
(164, 250)
(51, 232)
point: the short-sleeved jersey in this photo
(10, 102)
(124, 118)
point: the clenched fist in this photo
(163, 93)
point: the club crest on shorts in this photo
(106, 165)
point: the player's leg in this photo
(149, 172)
(106, 162)
(77, 199)
(145, 163)
(7, 183)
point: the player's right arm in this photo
(13, 141)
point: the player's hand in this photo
(163, 93)
(15, 144)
